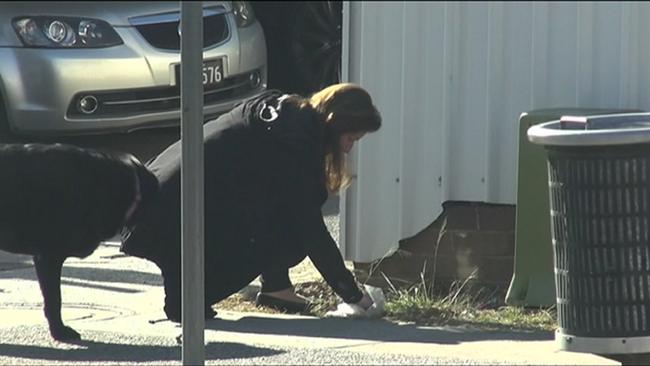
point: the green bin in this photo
(533, 281)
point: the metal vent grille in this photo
(601, 223)
(163, 31)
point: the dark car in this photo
(304, 43)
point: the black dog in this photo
(59, 201)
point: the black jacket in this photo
(264, 188)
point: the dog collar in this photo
(137, 197)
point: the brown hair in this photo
(346, 108)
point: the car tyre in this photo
(315, 44)
(6, 135)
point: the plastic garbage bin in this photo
(599, 190)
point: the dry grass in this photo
(308, 283)
(462, 304)
(242, 304)
(321, 294)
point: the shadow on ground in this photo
(95, 351)
(367, 329)
(92, 274)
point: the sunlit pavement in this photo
(114, 300)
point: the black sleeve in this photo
(324, 253)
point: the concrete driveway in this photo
(114, 301)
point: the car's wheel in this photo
(315, 44)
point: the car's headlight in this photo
(244, 14)
(63, 32)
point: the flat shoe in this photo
(282, 305)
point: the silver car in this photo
(69, 68)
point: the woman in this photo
(269, 164)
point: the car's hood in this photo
(117, 13)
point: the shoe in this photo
(282, 305)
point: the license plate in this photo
(212, 72)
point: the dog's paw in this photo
(65, 333)
(173, 315)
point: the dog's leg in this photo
(48, 271)
(172, 283)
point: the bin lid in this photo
(598, 130)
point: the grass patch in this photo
(419, 308)
(462, 305)
(516, 317)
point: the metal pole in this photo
(193, 320)
(345, 198)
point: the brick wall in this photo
(467, 238)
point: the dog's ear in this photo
(149, 185)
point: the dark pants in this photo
(225, 274)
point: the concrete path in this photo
(112, 299)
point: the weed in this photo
(463, 304)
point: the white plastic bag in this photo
(345, 310)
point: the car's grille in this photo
(164, 35)
(157, 99)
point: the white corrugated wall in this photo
(452, 78)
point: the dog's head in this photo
(146, 189)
